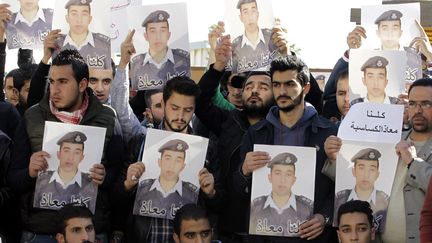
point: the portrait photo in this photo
(85, 26)
(30, 23)
(172, 161)
(365, 171)
(283, 191)
(73, 150)
(250, 23)
(390, 26)
(376, 76)
(161, 42)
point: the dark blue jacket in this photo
(315, 135)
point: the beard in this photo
(169, 124)
(422, 127)
(256, 109)
(295, 102)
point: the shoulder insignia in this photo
(147, 182)
(260, 199)
(48, 10)
(191, 186)
(266, 31)
(180, 52)
(102, 37)
(343, 192)
(237, 40)
(383, 194)
(138, 57)
(306, 200)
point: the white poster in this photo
(119, 24)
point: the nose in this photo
(99, 86)
(354, 235)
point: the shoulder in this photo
(259, 202)
(146, 182)
(358, 100)
(266, 32)
(180, 53)
(138, 58)
(343, 193)
(45, 176)
(189, 186)
(304, 200)
(48, 11)
(393, 100)
(85, 177)
(13, 17)
(237, 40)
(382, 194)
(101, 37)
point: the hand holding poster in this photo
(277, 207)
(73, 150)
(172, 162)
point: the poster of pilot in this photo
(161, 42)
(73, 150)
(250, 23)
(29, 24)
(283, 191)
(85, 26)
(365, 171)
(376, 76)
(172, 161)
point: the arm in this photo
(419, 174)
(219, 101)
(426, 217)
(4, 17)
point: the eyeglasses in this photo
(425, 104)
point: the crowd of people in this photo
(283, 105)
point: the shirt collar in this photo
(39, 15)
(245, 40)
(76, 179)
(372, 196)
(386, 100)
(291, 203)
(89, 40)
(169, 56)
(177, 187)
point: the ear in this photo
(58, 155)
(91, 18)
(306, 89)
(169, 35)
(82, 85)
(60, 238)
(363, 80)
(373, 233)
(67, 19)
(338, 234)
(353, 171)
(295, 179)
(269, 177)
(82, 158)
(176, 238)
(159, 162)
(146, 36)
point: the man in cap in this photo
(29, 26)
(366, 172)
(282, 208)
(375, 79)
(152, 69)
(167, 192)
(68, 183)
(255, 45)
(94, 47)
(389, 29)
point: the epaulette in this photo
(138, 57)
(180, 52)
(48, 10)
(146, 182)
(306, 200)
(383, 194)
(192, 187)
(260, 199)
(343, 192)
(102, 37)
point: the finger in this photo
(95, 176)
(420, 29)
(203, 171)
(130, 35)
(313, 234)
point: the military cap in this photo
(375, 62)
(174, 145)
(73, 137)
(283, 159)
(77, 2)
(367, 154)
(320, 77)
(389, 15)
(156, 17)
(240, 2)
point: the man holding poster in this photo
(282, 208)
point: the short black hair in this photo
(70, 211)
(344, 74)
(113, 66)
(187, 212)
(73, 57)
(148, 94)
(18, 78)
(424, 82)
(182, 85)
(355, 206)
(291, 62)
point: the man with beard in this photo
(76, 224)
(414, 167)
(292, 122)
(229, 127)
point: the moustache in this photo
(254, 96)
(284, 96)
(178, 120)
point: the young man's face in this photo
(69, 156)
(375, 80)
(64, 88)
(29, 5)
(171, 164)
(287, 90)
(282, 178)
(421, 119)
(178, 111)
(390, 32)
(78, 230)
(342, 96)
(355, 227)
(23, 94)
(257, 93)
(192, 231)
(100, 82)
(366, 173)
(157, 35)
(11, 93)
(156, 107)
(249, 15)
(79, 19)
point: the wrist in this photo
(127, 185)
(45, 59)
(123, 64)
(410, 163)
(219, 66)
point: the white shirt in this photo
(291, 203)
(246, 41)
(386, 100)
(177, 187)
(56, 177)
(371, 199)
(89, 40)
(39, 15)
(169, 56)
